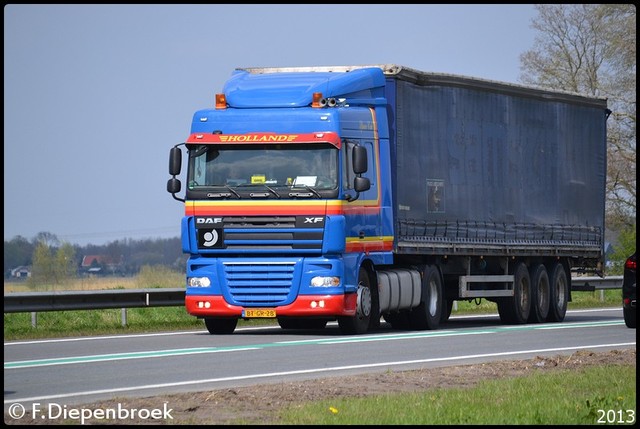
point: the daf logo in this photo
(208, 220)
(313, 219)
(210, 238)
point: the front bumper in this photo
(303, 306)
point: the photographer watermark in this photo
(53, 411)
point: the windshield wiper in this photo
(234, 191)
(308, 188)
(272, 190)
(223, 194)
(261, 195)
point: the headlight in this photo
(199, 282)
(325, 281)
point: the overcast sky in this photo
(96, 95)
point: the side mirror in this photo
(173, 185)
(361, 184)
(359, 159)
(175, 161)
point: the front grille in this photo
(259, 283)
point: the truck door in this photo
(365, 211)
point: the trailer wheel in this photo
(359, 323)
(220, 326)
(427, 314)
(515, 309)
(559, 293)
(540, 295)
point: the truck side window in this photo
(347, 164)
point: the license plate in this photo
(259, 312)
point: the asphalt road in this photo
(81, 370)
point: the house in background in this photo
(100, 265)
(21, 272)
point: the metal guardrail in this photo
(21, 302)
(34, 302)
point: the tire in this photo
(629, 317)
(447, 308)
(558, 293)
(428, 313)
(359, 323)
(540, 294)
(220, 326)
(515, 309)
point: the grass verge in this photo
(596, 395)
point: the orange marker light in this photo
(221, 101)
(317, 100)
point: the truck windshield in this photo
(291, 165)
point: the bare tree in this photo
(591, 49)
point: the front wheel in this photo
(366, 306)
(220, 326)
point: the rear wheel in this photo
(447, 308)
(540, 292)
(515, 309)
(559, 293)
(220, 326)
(359, 323)
(427, 315)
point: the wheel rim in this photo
(560, 298)
(364, 301)
(433, 298)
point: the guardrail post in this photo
(34, 319)
(123, 317)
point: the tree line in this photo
(51, 259)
